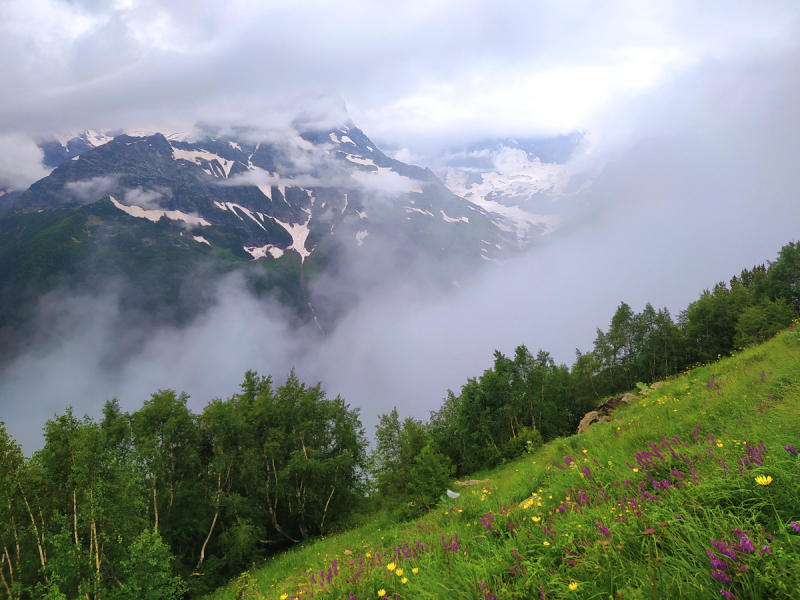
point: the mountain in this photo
(166, 216)
(517, 180)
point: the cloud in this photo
(20, 161)
(147, 199)
(89, 190)
(410, 72)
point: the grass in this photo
(661, 502)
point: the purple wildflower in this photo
(486, 592)
(603, 529)
(795, 526)
(766, 549)
(726, 593)
(720, 576)
(723, 547)
(791, 450)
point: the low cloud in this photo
(20, 161)
(146, 199)
(89, 190)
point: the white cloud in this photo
(92, 189)
(20, 161)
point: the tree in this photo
(760, 322)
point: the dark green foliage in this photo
(430, 477)
(761, 321)
(143, 505)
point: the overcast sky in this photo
(407, 69)
(691, 109)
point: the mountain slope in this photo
(704, 464)
(165, 217)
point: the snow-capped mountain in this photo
(282, 195)
(288, 210)
(515, 180)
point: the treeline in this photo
(528, 399)
(164, 503)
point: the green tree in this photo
(760, 322)
(430, 477)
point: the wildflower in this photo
(486, 592)
(795, 526)
(726, 593)
(603, 529)
(764, 480)
(391, 566)
(766, 549)
(381, 593)
(720, 576)
(404, 580)
(547, 543)
(415, 570)
(791, 450)
(399, 572)
(284, 596)
(635, 470)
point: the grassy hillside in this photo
(692, 491)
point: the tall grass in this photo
(661, 502)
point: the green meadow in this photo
(692, 490)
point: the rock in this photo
(588, 420)
(604, 411)
(658, 384)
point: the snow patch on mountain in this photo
(361, 235)
(232, 207)
(456, 220)
(202, 157)
(263, 251)
(155, 215)
(299, 235)
(409, 209)
(512, 188)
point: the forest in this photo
(166, 503)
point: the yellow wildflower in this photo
(573, 586)
(547, 543)
(284, 596)
(415, 570)
(404, 580)
(381, 593)
(399, 572)
(391, 566)
(763, 480)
